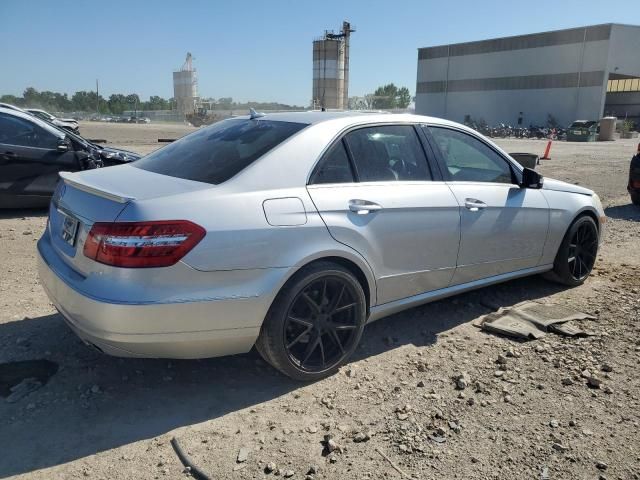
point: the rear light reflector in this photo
(635, 184)
(142, 244)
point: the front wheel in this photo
(577, 253)
(315, 323)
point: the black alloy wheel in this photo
(321, 324)
(583, 248)
(315, 322)
(577, 253)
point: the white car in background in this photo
(66, 123)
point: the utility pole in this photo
(97, 99)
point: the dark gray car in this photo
(33, 152)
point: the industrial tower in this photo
(331, 69)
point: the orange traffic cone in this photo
(547, 151)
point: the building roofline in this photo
(528, 34)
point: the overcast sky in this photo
(253, 50)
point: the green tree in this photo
(403, 98)
(12, 100)
(117, 103)
(389, 96)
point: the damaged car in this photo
(33, 152)
(291, 232)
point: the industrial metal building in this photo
(526, 78)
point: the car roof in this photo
(27, 116)
(11, 107)
(355, 117)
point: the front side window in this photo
(468, 159)
(388, 153)
(334, 167)
(215, 154)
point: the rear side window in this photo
(388, 153)
(215, 154)
(334, 167)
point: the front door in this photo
(504, 226)
(376, 193)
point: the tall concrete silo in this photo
(185, 87)
(331, 69)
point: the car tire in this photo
(315, 322)
(577, 253)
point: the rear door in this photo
(377, 194)
(30, 160)
(504, 226)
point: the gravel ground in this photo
(526, 410)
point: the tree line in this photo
(117, 103)
(84, 101)
(385, 97)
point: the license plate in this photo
(69, 229)
(577, 132)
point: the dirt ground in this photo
(527, 410)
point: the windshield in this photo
(215, 154)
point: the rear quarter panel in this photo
(239, 237)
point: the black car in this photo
(634, 178)
(33, 152)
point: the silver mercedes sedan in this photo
(292, 231)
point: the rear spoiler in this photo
(70, 179)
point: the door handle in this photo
(10, 155)
(363, 207)
(474, 205)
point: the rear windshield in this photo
(215, 154)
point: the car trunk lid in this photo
(100, 195)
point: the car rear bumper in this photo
(211, 327)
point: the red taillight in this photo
(142, 244)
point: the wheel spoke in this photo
(579, 262)
(344, 307)
(314, 306)
(313, 343)
(301, 321)
(324, 293)
(321, 345)
(339, 327)
(336, 300)
(336, 339)
(299, 337)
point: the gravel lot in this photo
(526, 411)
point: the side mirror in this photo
(63, 146)
(531, 179)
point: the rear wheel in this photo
(315, 323)
(577, 253)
